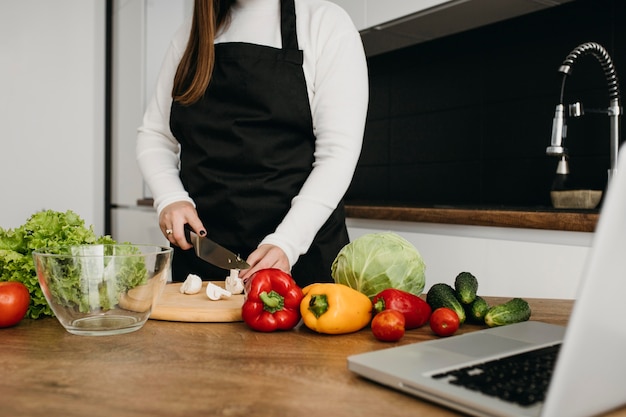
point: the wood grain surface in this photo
(174, 369)
(572, 220)
(198, 308)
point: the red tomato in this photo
(388, 326)
(14, 300)
(444, 321)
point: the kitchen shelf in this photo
(548, 219)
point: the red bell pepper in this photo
(415, 310)
(272, 301)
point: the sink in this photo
(576, 199)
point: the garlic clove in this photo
(192, 285)
(215, 292)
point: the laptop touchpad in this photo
(481, 344)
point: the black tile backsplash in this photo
(466, 119)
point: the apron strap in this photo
(288, 25)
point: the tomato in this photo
(444, 321)
(14, 300)
(388, 326)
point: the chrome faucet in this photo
(559, 127)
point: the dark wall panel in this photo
(465, 120)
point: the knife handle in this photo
(188, 230)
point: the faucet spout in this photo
(614, 114)
(559, 130)
(556, 147)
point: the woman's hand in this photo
(266, 256)
(172, 221)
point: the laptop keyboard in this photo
(522, 378)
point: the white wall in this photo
(52, 74)
(507, 262)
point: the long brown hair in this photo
(196, 65)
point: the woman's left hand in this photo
(266, 256)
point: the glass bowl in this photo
(103, 290)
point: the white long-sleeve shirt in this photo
(335, 70)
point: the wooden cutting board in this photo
(176, 306)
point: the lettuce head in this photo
(43, 229)
(376, 261)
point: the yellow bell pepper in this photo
(334, 308)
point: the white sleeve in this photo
(157, 150)
(339, 109)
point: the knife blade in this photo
(213, 253)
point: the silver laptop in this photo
(590, 372)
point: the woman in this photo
(254, 133)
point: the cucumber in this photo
(466, 286)
(443, 295)
(477, 309)
(513, 311)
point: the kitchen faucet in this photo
(559, 127)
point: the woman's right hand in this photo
(172, 222)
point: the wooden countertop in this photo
(204, 369)
(575, 221)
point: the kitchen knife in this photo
(211, 252)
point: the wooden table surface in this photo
(204, 369)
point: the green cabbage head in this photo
(376, 261)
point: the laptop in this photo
(588, 375)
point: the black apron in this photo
(247, 148)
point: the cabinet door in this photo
(129, 27)
(356, 10)
(141, 34)
(378, 12)
(139, 226)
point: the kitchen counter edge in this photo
(575, 221)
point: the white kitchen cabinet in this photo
(393, 24)
(128, 90)
(137, 225)
(378, 12)
(507, 262)
(369, 13)
(356, 10)
(142, 30)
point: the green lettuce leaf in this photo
(44, 229)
